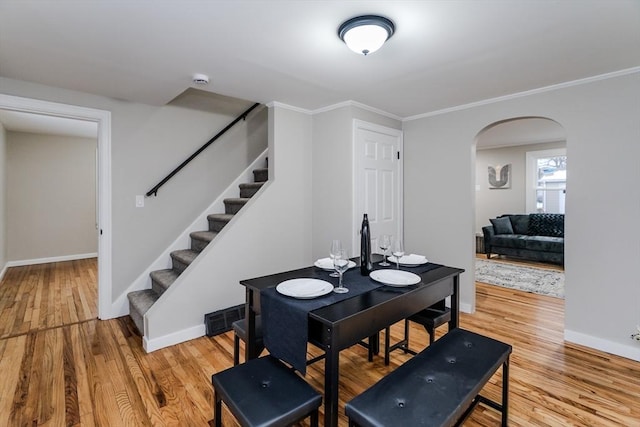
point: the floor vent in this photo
(220, 321)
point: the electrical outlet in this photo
(139, 201)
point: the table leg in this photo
(331, 383)
(250, 349)
(455, 304)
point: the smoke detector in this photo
(200, 79)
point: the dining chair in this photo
(430, 318)
(240, 333)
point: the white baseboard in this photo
(4, 270)
(173, 338)
(23, 262)
(466, 308)
(631, 351)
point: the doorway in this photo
(103, 120)
(519, 143)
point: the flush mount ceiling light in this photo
(366, 34)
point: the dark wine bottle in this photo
(366, 266)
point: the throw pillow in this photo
(546, 225)
(502, 225)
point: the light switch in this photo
(139, 201)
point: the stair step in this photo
(261, 175)
(233, 205)
(139, 304)
(249, 189)
(200, 239)
(182, 258)
(162, 279)
(218, 221)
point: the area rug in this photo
(528, 279)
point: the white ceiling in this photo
(443, 54)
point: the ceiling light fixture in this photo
(366, 34)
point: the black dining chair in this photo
(240, 333)
(430, 318)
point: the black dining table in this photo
(334, 326)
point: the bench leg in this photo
(505, 392)
(314, 418)
(405, 348)
(217, 412)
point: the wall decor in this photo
(499, 177)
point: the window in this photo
(546, 181)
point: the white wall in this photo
(270, 235)
(493, 202)
(332, 166)
(3, 200)
(602, 247)
(51, 196)
(147, 142)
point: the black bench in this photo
(438, 387)
(264, 392)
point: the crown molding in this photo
(358, 105)
(516, 95)
(334, 107)
(289, 107)
(526, 93)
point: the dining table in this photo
(335, 322)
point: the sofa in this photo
(536, 237)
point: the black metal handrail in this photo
(242, 116)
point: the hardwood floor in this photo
(61, 366)
(45, 296)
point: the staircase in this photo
(141, 301)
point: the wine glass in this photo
(341, 264)
(336, 246)
(384, 243)
(398, 251)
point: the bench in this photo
(438, 387)
(264, 392)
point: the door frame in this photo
(357, 184)
(103, 120)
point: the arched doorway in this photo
(520, 168)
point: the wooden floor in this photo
(60, 366)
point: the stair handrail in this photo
(242, 116)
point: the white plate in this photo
(409, 260)
(304, 288)
(327, 264)
(395, 277)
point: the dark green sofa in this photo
(536, 237)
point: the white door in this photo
(377, 181)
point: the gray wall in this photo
(147, 142)
(271, 235)
(3, 198)
(602, 127)
(493, 202)
(332, 166)
(51, 196)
